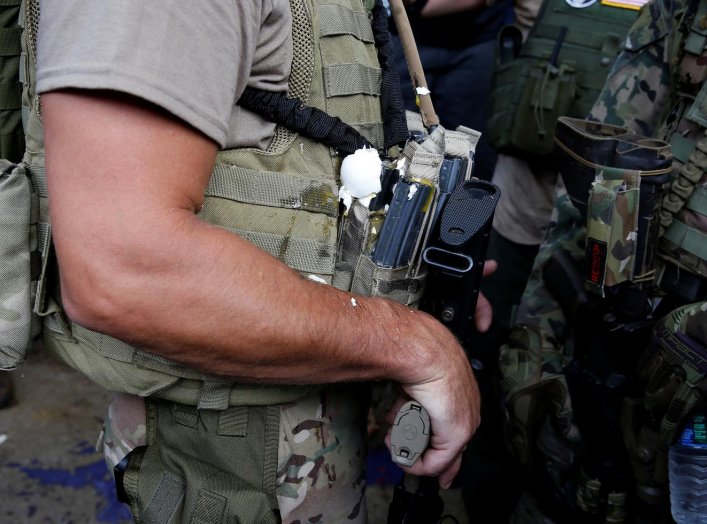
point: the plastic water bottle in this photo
(687, 472)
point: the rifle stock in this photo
(454, 256)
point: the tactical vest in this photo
(558, 71)
(683, 244)
(283, 199)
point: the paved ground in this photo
(50, 472)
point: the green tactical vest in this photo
(558, 71)
(684, 207)
(283, 199)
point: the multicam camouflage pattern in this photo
(321, 459)
(16, 239)
(320, 456)
(124, 428)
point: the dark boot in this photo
(6, 390)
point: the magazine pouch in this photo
(19, 263)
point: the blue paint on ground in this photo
(380, 469)
(96, 475)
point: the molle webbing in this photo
(342, 80)
(272, 189)
(232, 480)
(688, 177)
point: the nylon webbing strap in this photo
(272, 443)
(698, 200)
(308, 121)
(690, 239)
(459, 144)
(297, 253)
(214, 395)
(340, 20)
(166, 499)
(210, 508)
(272, 189)
(351, 79)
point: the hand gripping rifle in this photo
(454, 257)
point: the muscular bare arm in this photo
(125, 181)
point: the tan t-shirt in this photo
(527, 197)
(192, 58)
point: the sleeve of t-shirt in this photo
(191, 58)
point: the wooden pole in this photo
(412, 57)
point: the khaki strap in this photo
(351, 79)
(690, 239)
(297, 252)
(272, 189)
(698, 200)
(167, 498)
(272, 443)
(214, 395)
(210, 508)
(339, 20)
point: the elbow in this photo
(90, 298)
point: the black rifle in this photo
(610, 334)
(455, 257)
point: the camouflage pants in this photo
(321, 452)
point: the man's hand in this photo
(452, 425)
(448, 391)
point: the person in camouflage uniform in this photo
(651, 90)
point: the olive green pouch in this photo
(232, 480)
(548, 94)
